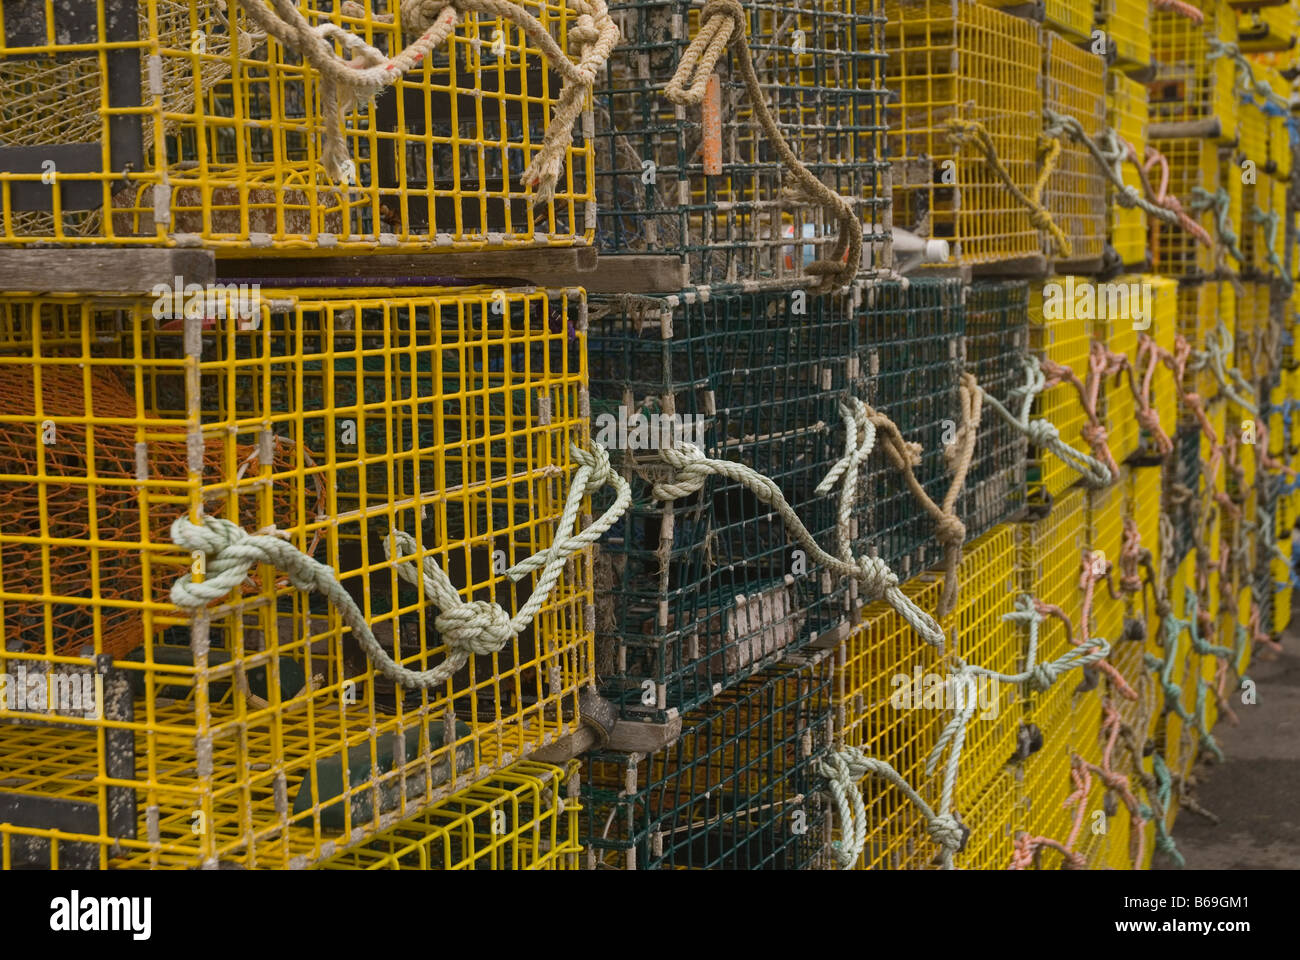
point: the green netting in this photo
(737, 791)
(695, 596)
(819, 63)
(909, 354)
(997, 338)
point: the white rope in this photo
(877, 581)
(347, 84)
(468, 627)
(1042, 433)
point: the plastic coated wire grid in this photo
(1128, 26)
(819, 63)
(1201, 304)
(1266, 29)
(698, 592)
(223, 138)
(737, 791)
(1174, 251)
(334, 416)
(1055, 334)
(1188, 87)
(1176, 748)
(993, 818)
(979, 635)
(524, 817)
(997, 338)
(1126, 114)
(877, 712)
(1252, 131)
(1142, 488)
(1074, 84)
(1049, 556)
(909, 342)
(1118, 333)
(949, 60)
(1163, 330)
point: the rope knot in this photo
(585, 32)
(596, 460)
(949, 530)
(946, 831)
(478, 626)
(728, 9)
(419, 15)
(1042, 433)
(875, 576)
(1044, 675)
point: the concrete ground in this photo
(1256, 791)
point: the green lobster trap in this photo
(700, 591)
(996, 341)
(909, 340)
(739, 790)
(707, 182)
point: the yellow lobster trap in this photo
(524, 817)
(1074, 85)
(1126, 114)
(1191, 174)
(1193, 93)
(1056, 335)
(958, 62)
(298, 127)
(176, 476)
(1128, 28)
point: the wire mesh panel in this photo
(997, 339)
(1193, 163)
(909, 339)
(737, 791)
(1117, 332)
(1128, 28)
(1074, 85)
(1161, 393)
(170, 123)
(707, 183)
(697, 592)
(1057, 335)
(1126, 114)
(1190, 87)
(957, 60)
(235, 731)
(524, 817)
(1252, 131)
(877, 661)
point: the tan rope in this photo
(345, 84)
(949, 530)
(972, 131)
(722, 23)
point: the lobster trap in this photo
(1193, 93)
(1128, 29)
(1074, 85)
(156, 122)
(1055, 334)
(1193, 166)
(878, 650)
(909, 341)
(1126, 114)
(997, 340)
(959, 61)
(524, 817)
(1116, 329)
(708, 183)
(739, 790)
(697, 592)
(257, 728)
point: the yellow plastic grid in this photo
(1188, 86)
(1074, 84)
(1266, 29)
(992, 822)
(988, 579)
(1128, 26)
(1064, 340)
(192, 139)
(1126, 114)
(1117, 405)
(1049, 555)
(334, 415)
(1163, 330)
(1142, 493)
(1170, 738)
(1192, 163)
(1281, 571)
(956, 59)
(1279, 135)
(523, 818)
(1106, 537)
(1252, 133)
(881, 647)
